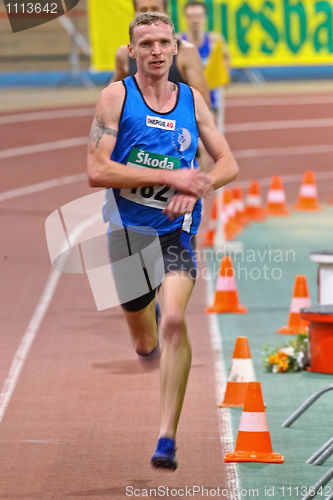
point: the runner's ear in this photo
(131, 51)
(175, 48)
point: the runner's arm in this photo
(225, 168)
(104, 172)
(191, 69)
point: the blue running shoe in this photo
(165, 454)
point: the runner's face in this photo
(153, 46)
(148, 6)
(196, 18)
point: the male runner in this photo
(148, 117)
(196, 20)
(186, 65)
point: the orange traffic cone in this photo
(241, 216)
(300, 299)
(307, 198)
(231, 226)
(212, 226)
(240, 374)
(226, 296)
(254, 209)
(276, 199)
(228, 235)
(253, 442)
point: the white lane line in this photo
(284, 151)
(279, 125)
(71, 179)
(37, 441)
(232, 128)
(241, 154)
(43, 147)
(42, 186)
(307, 100)
(230, 102)
(50, 288)
(26, 342)
(33, 327)
(45, 115)
(224, 417)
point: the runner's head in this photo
(152, 43)
(148, 19)
(196, 15)
(141, 6)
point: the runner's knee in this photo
(173, 327)
(144, 347)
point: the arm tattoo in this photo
(98, 129)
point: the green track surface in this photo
(284, 246)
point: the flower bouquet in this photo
(291, 357)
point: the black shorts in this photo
(176, 252)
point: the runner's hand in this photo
(180, 204)
(191, 181)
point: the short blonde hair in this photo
(148, 18)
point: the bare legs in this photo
(176, 355)
(143, 329)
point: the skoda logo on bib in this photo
(181, 139)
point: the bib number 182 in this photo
(149, 192)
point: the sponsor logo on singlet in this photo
(151, 196)
(163, 123)
(181, 139)
(141, 158)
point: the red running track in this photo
(78, 412)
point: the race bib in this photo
(151, 196)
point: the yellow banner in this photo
(259, 32)
(108, 29)
(215, 70)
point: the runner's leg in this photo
(143, 328)
(176, 353)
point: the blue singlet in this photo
(148, 139)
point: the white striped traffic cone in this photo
(308, 198)
(253, 442)
(253, 201)
(300, 299)
(276, 199)
(240, 374)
